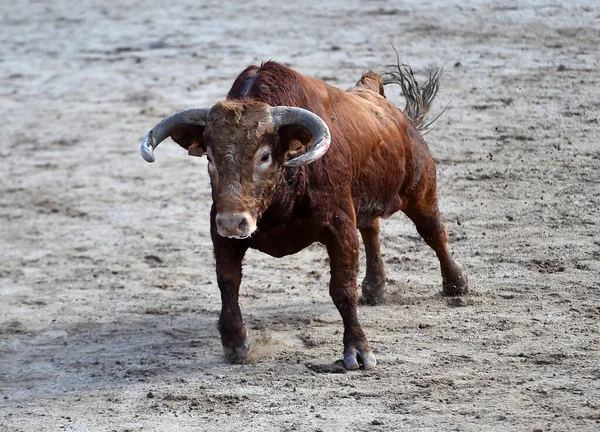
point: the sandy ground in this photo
(108, 298)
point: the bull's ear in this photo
(190, 138)
(294, 139)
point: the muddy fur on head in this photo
(252, 118)
(418, 97)
(235, 131)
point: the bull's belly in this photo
(369, 209)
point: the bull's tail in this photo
(418, 97)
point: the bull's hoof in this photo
(353, 358)
(371, 300)
(237, 354)
(455, 284)
(373, 292)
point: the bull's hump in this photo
(271, 82)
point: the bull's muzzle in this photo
(235, 225)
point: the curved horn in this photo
(285, 115)
(160, 132)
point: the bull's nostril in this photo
(243, 225)
(220, 222)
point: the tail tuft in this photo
(418, 98)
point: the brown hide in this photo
(377, 164)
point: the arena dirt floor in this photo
(108, 295)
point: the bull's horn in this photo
(160, 132)
(285, 115)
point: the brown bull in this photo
(293, 161)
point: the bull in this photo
(293, 161)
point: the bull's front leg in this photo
(229, 254)
(342, 246)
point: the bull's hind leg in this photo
(373, 284)
(428, 221)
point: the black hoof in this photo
(238, 354)
(373, 293)
(455, 286)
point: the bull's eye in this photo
(262, 160)
(265, 157)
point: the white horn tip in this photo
(147, 150)
(148, 157)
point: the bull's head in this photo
(248, 146)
